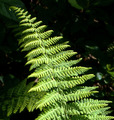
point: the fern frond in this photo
(55, 60)
(49, 99)
(28, 20)
(50, 51)
(41, 29)
(67, 63)
(44, 86)
(70, 71)
(89, 108)
(36, 24)
(60, 72)
(58, 58)
(73, 111)
(100, 117)
(18, 98)
(32, 44)
(51, 114)
(52, 40)
(57, 92)
(80, 94)
(55, 49)
(101, 111)
(31, 30)
(35, 36)
(70, 83)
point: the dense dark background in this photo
(87, 24)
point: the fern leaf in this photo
(88, 108)
(26, 24)
(55, 49)
(52, 40)
(100, 117)
(73, 111)
(19, 98)
(24, 103)
(31, 30)
(28, 20)
(34, 35)
(70, 71)
(80, 94)
(60, 72)
(74, 81)
(20, 12)
(55, 60)
(48, 99)
(58, 58)
(67, 63)
(36, 24)
(18, 105)
(51, 114)
(31, 104)
(57, 92)
(38, 61)
(46, 34)
(30, 45)
(52, 50)
(41, 28)
(44, 86)
(103, 111)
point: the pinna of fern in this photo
(58, 77)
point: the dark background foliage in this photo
(87, 24)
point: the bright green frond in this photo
(101, 111)
(35, 53)
(36, 24)
(32, 44)
(55, 49)
(51, 114)
(44, 86)
(54, 60)
(67, 63)
(39, 60)
(70, 71)
(41, 28)
(19, 12)
(73, 111)
(80, 94)
(31, 30)
(100, 117)
(57, 89)
(60, 72)
(60, 57)
(49, 99)
(28, 20)
(42, 73)
(26, 24)
(88, 108)
(35, 35)
(71, 82)
(52, 40)
(46, 34)
(41, 50)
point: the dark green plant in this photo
(57, 91)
